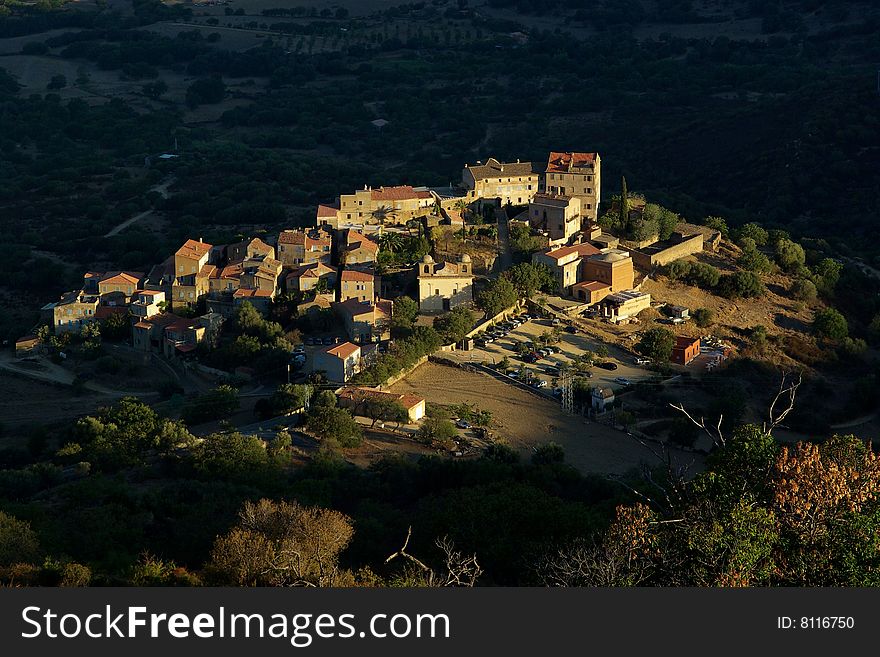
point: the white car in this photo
(622, 380)
(642, 361)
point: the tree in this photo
(499, 295)
(381, 408)
(282, 544)
(334, 425)
(527, 279)
(828, 271)
(752, 259)
(155, 90)
(233, 456)
(454, 325)
(656, 344)
(717, 223)
(803, 289)
(405, 310)
(703, 317)
(18, 542)
(57, 82)
(220, 402)
(753, 231)
(745, 284)
(624, 204)
(789, 255)
(206, 91)
(437, 432)
(548, 454)
(830, 324)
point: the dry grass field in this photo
(527, 421)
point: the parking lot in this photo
(571, 346)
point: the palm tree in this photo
(384, 213)
(391, 242)
(461, 205)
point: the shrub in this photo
(803, 290)
(703, 317)
(745, 284)
(830, 324)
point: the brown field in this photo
(527, 421)
(24, 401)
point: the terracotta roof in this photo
(559, 162)
(149, 293)
(495, 169)
(103, 312)
(185, 348)
(399, 193)
(241, 293)
(162, 319)
(605, 393)
(594, 286)
(683, 341)
(132, 277)
(582, 250)
(207, 271)
(356, 240)
(355, 275)
(327, 211)
(343, 350)
(229, 271)
(356, 307)
(292, 236)
(193, 249)
(311, 270)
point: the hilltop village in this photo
(514, 273)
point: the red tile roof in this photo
(398, 193)
(594, 286)
(241, 294)
(355, 275)
(343, 350)
(103, 312)
(327, 211)
(193, 249)
(559, 162)
(119, 277)
(583, 250)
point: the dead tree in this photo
(461, 569)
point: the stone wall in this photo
(649, 258)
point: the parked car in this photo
(328, 340)
(607, 365)
(556, 321)
(539, 383)
(571, 329)
(463, 424)
(553, 349)
(622, 380)
(544, 352)
(640, 360)
(531, 358)
(298, 349)
(481, 342)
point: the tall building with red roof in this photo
(575, 174)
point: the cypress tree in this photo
(624, 204)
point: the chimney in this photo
(201, 240)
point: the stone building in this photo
(559, 215)
(445, 285)
(505, 182)
(575, 174)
